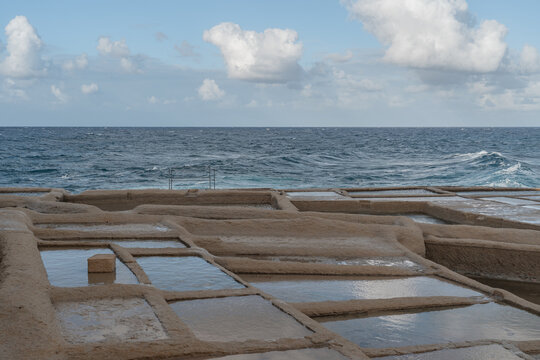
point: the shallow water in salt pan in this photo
(185, 273)
(111, 320)
(476, 322)
(509, 200)
(315, 195)
(69, 268)
(484, 352)
(424, 218)
(238, 318)
(292, 288)
(143, 243)
(148, 228)
(393, 192)
(499, 193)
(302, 354)
(33, 193)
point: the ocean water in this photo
(110, 158)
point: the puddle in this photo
(38, 193)
(185, 273)
(106, 227)
(510, 201)
(526, 290)
(498, 210)
(141, 243)
(292, 288)
(498, 193)
(424, 218)
(111, 320)
(534, 207)
(401, 262)
(417, 199)
(534, 197)
(256, 206)
(476, 322)
(238, 318)
(69, 268)
(483, 352)
(316, 195)
(393, 192)
(303, 354)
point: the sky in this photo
(270, 63)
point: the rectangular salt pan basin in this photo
(484, 352)
(238, 318)
(511, 201)
(499, 193)
(185, 273)
(424, 218)
(302, 354)
(111, 320)
(69, 268)
(393, 192)
(477, 322)
(145, 228)
(316, 195)
(32, 193)
(142, 243)
(293, 288)
(401, 262)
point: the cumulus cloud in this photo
(89, 88)
(436, 34)
(117, 48)
(155, 100)
(80, 62)
(271, 56)
(209, 90)
(12, 92)
(23, 47)
(61, 96)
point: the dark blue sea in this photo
(110, 158)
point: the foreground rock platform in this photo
(387, 273)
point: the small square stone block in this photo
(102, 263)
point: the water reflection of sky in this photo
(476, 322)
(304, 289)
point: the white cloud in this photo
(525, 99)
(90, 88)
(59, 94)
(80, 62)
(128, 65)
(271, 56)
(209, 90)
(23, 47)
(117, 48)
(11, 92)
(529, 59)
(436, 34)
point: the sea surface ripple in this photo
(78, 159)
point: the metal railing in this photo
(210, 176)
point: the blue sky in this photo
(270, 63)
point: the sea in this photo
(79, 158)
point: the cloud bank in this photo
(271, 56)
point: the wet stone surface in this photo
(484, 352)
(293, 288)
(302, 354)
(477, 322)
(109, 320)
(69, 268)
(238, 318)
(185, 273)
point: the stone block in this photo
(102, 263)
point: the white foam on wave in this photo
(478, 154)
